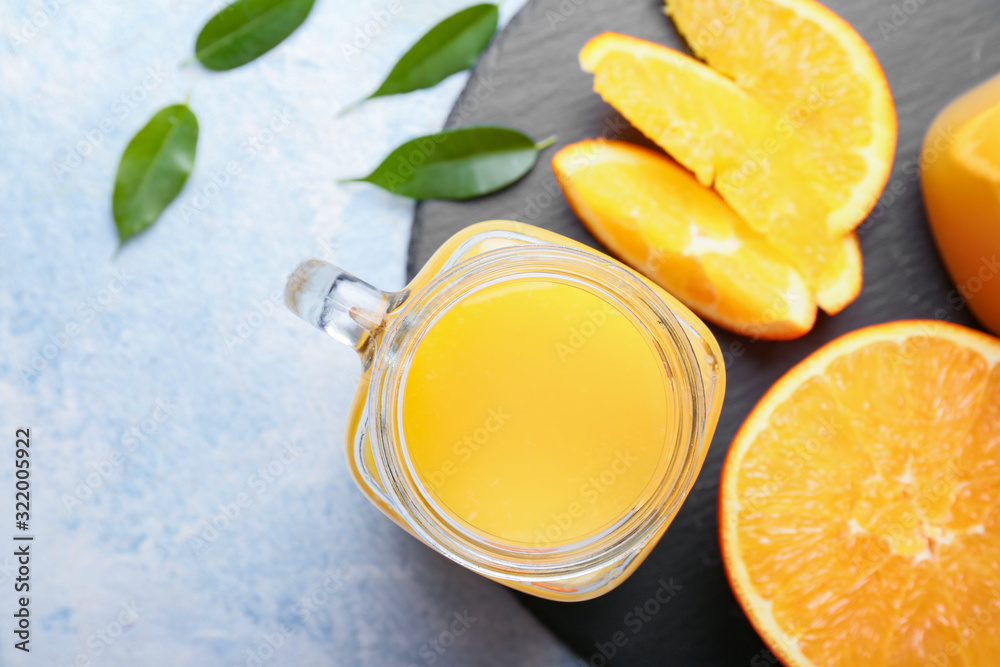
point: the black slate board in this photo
(932, 51)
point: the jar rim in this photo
(618, 542)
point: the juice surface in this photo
(536, 412)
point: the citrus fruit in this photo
(822, 79)
(961, 184)
(730, 139)
(657, 218)
(860, 502)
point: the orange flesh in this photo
(820, 78)
(961, 185)
(683, 236)
(861, 502)
(736, 143)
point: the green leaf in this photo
(153, 169)
(451, 46)
(460, 163)
(247, 29)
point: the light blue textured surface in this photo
(162, 384)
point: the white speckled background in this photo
(163, 385)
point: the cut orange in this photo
(778, 177)
(860, 502)
(822, 79)
(657, 218)
(960, 175)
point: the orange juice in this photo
(536, 412)
(961, 184)
(528, 407)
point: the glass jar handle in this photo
(347, 308)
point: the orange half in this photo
(860, 502)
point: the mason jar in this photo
(529, 407)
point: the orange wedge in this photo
(819, 75)
(657, 218)
(960, 175)
(860, 502)
(776, 177)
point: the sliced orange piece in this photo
(731, 139)
(977, 145)
(820, 76)
(960, 175)
(860, 502)
(657, 218)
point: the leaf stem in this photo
(187, 61)
(351, 107)
(545, 143)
